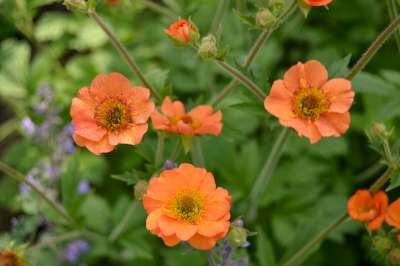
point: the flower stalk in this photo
(121, 227)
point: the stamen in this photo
(112, 114)
(187, 206)
(310, 103)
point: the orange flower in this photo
(183, 32)
(393, 214)
(306, 101)
(112, 2)
(364, 207)
(11, 258)
(184, 204)
(318, 2)
(199, 121)
(110, 112)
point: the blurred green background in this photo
(43, 43)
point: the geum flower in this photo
(183, 32)
(201, 120)
(393, 215)
(110, 112)
(184, 204)
(367, 208)
(310, 103)
(317, 2)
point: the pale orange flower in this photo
(310, 103)
(184, 204)
(393, 214)
(364, 207)
(183, 32)
(318, 2)
(199, 121)
(110, 112)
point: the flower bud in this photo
(208, 47)
(169, 165)
(382, 244)
(76, 5)
(380, 131)
(140, 189)
(183, 32)
(394, 257)
(237, 236)
(277, 6)
(265, 18)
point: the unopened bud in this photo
(237, 236)
(394, 257)
(277, 6)
(183, 32)
(380, 131)
(382, 244)
(208, 47)
(140, 189)
(265, 18)
(76, 5)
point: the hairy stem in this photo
(373, 49)
(21, 178)
(160, 150)
(261, 183)
(218, 16)
(121, 227)
(123, 52)
(393, 12)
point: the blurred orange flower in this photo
(10, 258)
(184, 204)
(110, 112)
(199, 121)
(318, 2)
(183, 32)
(310, 103)
(364, 207)
(112, 2)
(393, 214)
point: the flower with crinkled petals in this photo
(310, 103)
(317, 2)
(202, 120)
(184, 204)
(183, 32)
(393, 215)
(367, 208)
(110, 112)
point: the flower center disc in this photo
(112, 114)
(310, 103)
(187, 206)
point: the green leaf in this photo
(265, 252)
(96, 213)
(69, 184)
(129, 177)
(52, 26)
(339, 68)
(394, 182)
(246, 19)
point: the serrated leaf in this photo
(394, 182)
(246, 19)
(339, 68)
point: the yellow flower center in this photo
(310, 103)
(9, 259)
(112, 114)
(187, 205)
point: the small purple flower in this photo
(83, 187)
(74, 250)
(169, 165)
(30, 177)
(28, 126)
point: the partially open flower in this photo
(310, 103)
(110, 112)
(183, 32)
(318, 2)
(199, 121)
(367, 208)
(184, 204)
(393, 214)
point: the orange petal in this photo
(141, 106)
(153, 219)
(151, 204)
(171, 241)
(376, 223)
(315, 73)
(212, 228)
(303, 128)
(132, 135)
(96, 147)
(169, 226)
(217, 205)
(184, 128)
(110, 85)
(203, 243)
(211, 125)
(201, 112)
(339, 94)
(333, 124)
(393, 214)
(159, 121)
(172, 109)
(292, 77)
(279, 101)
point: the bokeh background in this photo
(47, 53)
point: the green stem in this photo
(176, 151)
(257, 91)
(160, 150)
(197, 153)
(122, 51)
(302, 254)
(262, 38)
(262, 181)
(159, 8)
(7, 128)
(120, 228)
(373, 49)
(218, 16)
(21, 178)
(393, 12)
(55, 240)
